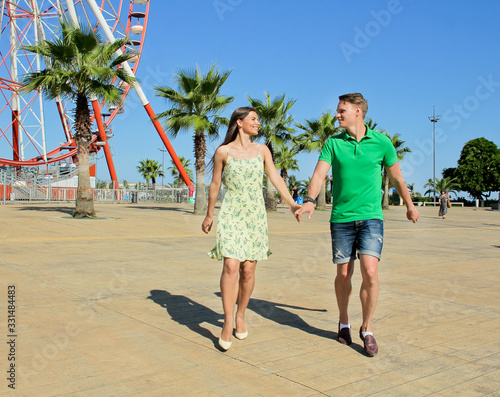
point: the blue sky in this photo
(404, 56)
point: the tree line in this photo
(82, 67)
(196, 105)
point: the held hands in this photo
(307, 207)
(206, 226)
(294, 207)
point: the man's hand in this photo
(307, 207)
(412, 214)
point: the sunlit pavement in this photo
(128, 304)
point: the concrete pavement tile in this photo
(297, 361)
(485, 385)
(434, 383)
(476, 352)
(425, 368)
(367, 386)
(268, 385)
(469, 343)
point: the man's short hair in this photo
(357, 100)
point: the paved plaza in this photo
(129, 305)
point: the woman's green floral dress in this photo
(242, 221)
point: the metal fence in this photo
(10, 193)
(33, 185)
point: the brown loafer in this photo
(371, 347)
(344, 336)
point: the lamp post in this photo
(162, 165)
(434, 119)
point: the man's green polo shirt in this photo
(357, 174)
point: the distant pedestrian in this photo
(295, 193)
(242, 236)
(444, 204)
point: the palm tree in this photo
(174, 172)
(80, 65)
(292, 181)
(305, 186)
(274, 129)
(400, 152)
(196, 105)
(285, 160)
(150, 170)
(432, 185)
(372, 125)
(317, 132)
(447, 184)
(411, 188)
(101, 185)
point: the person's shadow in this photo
(275, 312)
(185, 311)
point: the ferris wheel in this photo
(36, 132)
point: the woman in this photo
(443, 204)
(242, 237)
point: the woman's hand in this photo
(294, 207)
(206, 226)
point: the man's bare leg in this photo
(369, 289)
(343, 289)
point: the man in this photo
(357, 156)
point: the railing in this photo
(65, 194)
(32, 185)
(436, 203)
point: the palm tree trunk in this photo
(270, 200)
(322, 197)
(200, 202)
(385, 202)
(200, 150)
(84, 201)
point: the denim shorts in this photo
(361, 237)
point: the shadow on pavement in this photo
(185, 311)
(160, 208)
(47, 208)
(191, 314)
(275, 312)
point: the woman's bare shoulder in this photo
(221, 150)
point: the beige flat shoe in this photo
(241, 335)
(224, 345)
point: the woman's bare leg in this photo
(246, 284)
(229, 293)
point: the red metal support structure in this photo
(142, 96)
(169, 146)
(102, 137)
(15, 136)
